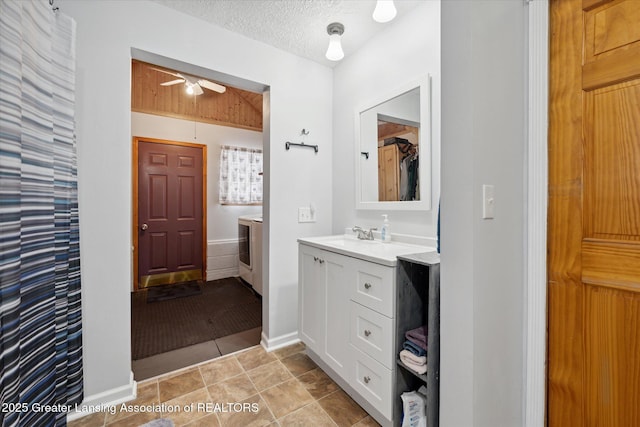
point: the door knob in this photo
(367, 285)
(144, 227)
(367, 332)
(367, 379)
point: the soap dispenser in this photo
(385, 233)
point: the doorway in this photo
(223, 315)
(170, 211)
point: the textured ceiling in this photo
(297, 26)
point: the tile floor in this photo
(282, 388)
(163, 363)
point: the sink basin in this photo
(368, 250)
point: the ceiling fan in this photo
(193, 84)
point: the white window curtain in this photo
(240, 176)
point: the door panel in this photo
(187, 197)
(170, 212)
(612, 156)
(594, 214)
(158, 197)
(158, 257)
(187, 241)
(611, 376)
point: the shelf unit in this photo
(418, 303)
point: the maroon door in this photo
(170, 216)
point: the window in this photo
(240, 176)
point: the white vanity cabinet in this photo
(356, 301)
(324, 305)
(346, 320)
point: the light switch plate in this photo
(305, 214)
(488, 202)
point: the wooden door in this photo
(388, 173)
(594, 214)
(169, 219)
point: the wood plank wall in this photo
(235, 107)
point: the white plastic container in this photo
(385, 233)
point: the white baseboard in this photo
(105, 401)
(271, 344)
(222, 259)
(222, 274)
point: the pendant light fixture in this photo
(385, 11)
(334, 51)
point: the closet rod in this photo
(288, 144)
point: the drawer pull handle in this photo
(367, 285)
(321, 260)
(315, 258)
(367, 379)
(367, 332)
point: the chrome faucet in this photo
(364, 234)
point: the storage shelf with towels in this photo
(418, 302)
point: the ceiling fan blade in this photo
(167, 72)
(197, 90)
(212, 86)
(172, 82)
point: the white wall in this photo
(406, 51)
(484, 78)
(300, 97)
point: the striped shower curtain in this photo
(40, 317)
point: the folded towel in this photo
(409, 360)
(413, 348)
(418, 360)
(418, 336)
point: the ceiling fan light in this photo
(189, 89)
(334, 51)
(385, 11)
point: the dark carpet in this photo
(224, 307)
(179, 290)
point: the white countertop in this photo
(368, 250)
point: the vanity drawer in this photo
(373, 382)
(371, 332)
(374, 287)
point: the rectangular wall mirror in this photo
(393, 150)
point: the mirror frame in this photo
(425, 171)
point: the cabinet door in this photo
(311, 298)
(339, 277)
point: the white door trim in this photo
(534, 398)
